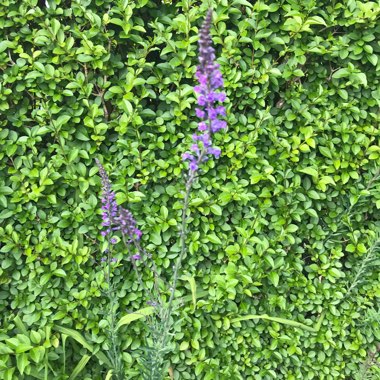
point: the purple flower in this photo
(193, 166)
(115, 218)
(128, 225)
(202, 126)
(210, 79)
(136, 257)
(109, 205)
(199, 113)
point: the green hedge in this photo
(281, 223)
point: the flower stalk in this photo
(119, 220)
(210, 80)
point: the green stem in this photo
(183, 233)
(139, 278)
(153, 268)
(115, 354)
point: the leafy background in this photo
(284, 223)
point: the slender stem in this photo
(115, 349)
(144, 254)
(183, 233)
(109, 270)
(139, 278)
(115, 355)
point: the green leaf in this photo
(316, 20)
(55, 24)
(35, 337)
(44, 279)
(283, 321)
(269, 260)
(116, 90)
(5, 214)
(312, 213)
(277, 40)
(292, 228)
(274, 278)
(22, 362)
(59, 273)
(193, 287)
(325, 180)
(37, 354)
(23, 347)
(164, 212)
(325, 151)
(6, 190)
(361, 78)
(334, 272)
(20, 325)
(313, 194)
(80, 339)
(8, 374)
(310, 171)
(76, 336)
(214, 239)
(343, 94)
(242, 2)
(61, 120)
(341, 73)
(196, 202)
(79, 367)
(293, 24)
(142, 313)
(319, 322)
(200, 294)
(172, 97)
(4, 349)
(215, 209)
(155, 236)
(5, 45)
(84, 58)
(373, 58)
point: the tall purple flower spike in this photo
(115, 218)
(210, 79)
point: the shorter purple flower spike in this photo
(115, 218)
(109, 205)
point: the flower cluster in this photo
(127, 225)
(115, 218)
(109, 205)
(210, 79)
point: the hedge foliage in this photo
(281, 223)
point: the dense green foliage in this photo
(281, 224)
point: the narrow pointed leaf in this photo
(142, 313)
(79, 367)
